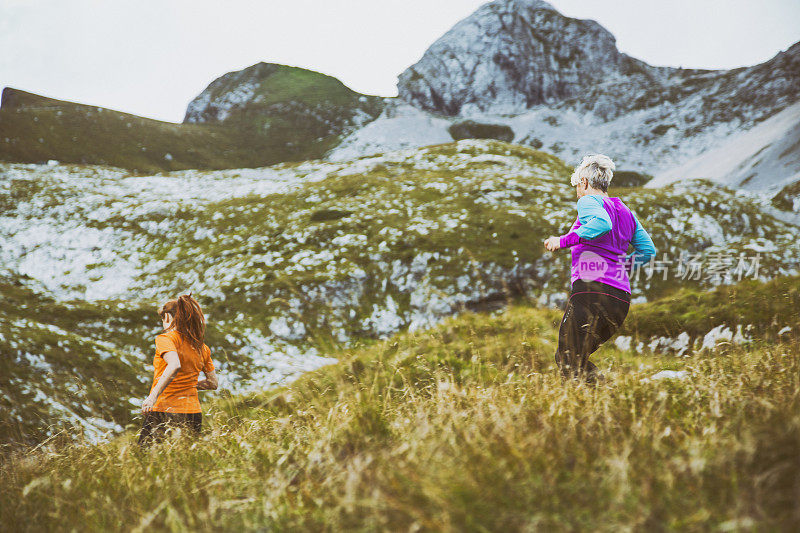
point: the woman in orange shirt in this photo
(180, 357)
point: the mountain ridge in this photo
(520, 64)
(510, 56)
(537, 55)
(36, 129)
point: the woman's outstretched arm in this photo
(173, 365)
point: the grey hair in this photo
(598, 169)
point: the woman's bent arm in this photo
(210, 383)
(594, 221)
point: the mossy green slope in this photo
(465, 427)
(271, 84)
(433, 231)
(81, 359)
(36, 129)
(300, 115)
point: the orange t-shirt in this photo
(180, 396)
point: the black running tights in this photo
(156, 424)
(594, 312)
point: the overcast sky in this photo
(151, 57)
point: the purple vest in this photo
(600, 259)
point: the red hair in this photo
(187, 319)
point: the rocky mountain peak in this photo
(528, 4)
(508, 56)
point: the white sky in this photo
(151, 57)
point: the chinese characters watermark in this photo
(715, 268)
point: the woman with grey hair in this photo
(601, 293)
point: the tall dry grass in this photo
(463, 428)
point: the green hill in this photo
(36, 129)
(464, 427)
(299, 115)
(303, 107)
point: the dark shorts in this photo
(594, 312)
(156, 425)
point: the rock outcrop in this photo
(510, 56)
(514, 55)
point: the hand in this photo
(552, 244)
(148, 403)
(203, 385)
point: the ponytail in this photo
(188, 320)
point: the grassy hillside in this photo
(765, 307)
(36, 129)
(298, 260)
(465, 427)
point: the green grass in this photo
(767, 307)
(465, 427)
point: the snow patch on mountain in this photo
(763, 158)
(399, 126)
(275, 363)
(237, 97)
(562, 131)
